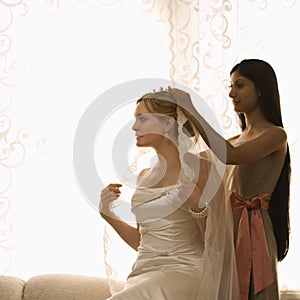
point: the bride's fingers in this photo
(109, 194)
(114, 187)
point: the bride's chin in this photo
(139, 141)
(139, 144)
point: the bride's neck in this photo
(168, 158)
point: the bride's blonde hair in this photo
(164, 103)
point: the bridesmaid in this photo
(258, 172)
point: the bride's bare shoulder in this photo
(141, 176)
(143, 172)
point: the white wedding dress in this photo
(177, 259)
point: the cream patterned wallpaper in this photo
(56, 56)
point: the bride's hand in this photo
(108, 195)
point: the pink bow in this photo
(251, 245)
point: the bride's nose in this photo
(134, 126)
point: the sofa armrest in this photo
(66, 286)
(11, 288)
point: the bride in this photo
(183, 236)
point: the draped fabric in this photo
(206, 38)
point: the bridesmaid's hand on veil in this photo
(183, 99)
(108, 195)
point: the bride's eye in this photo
(142, 119)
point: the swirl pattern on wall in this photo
(207, 37)
(12, 149)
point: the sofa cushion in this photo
(11, 288)
(66, 286)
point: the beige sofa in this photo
(55, 287)
(69, 287)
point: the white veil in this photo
(219, 278)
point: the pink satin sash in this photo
(251, 245)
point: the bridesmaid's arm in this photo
(273, 139)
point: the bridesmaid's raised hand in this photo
(183, 99)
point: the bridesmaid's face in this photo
(149, 129)
(244, 94)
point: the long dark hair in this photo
(265, 80)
